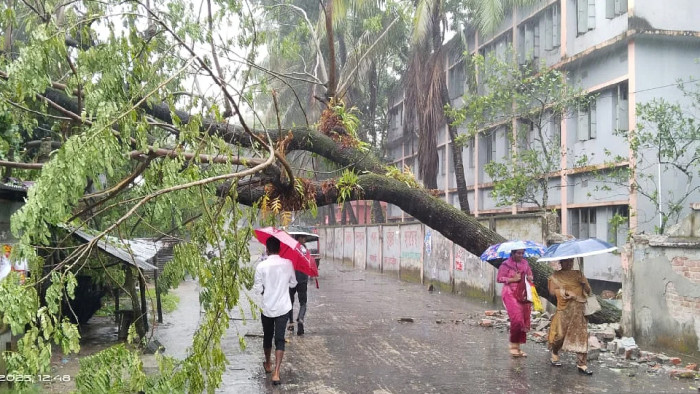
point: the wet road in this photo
(356, 343)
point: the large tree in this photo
(147, 128)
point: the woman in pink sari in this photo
(510, 273)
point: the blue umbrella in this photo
(577, 248)
(502, 251)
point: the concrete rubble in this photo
(606, 346)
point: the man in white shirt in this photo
(273, 279)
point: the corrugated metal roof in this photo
(137, 252)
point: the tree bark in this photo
(377, 212)
(130, 285)
(350, 211)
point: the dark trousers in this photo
(274, 327)
(301, 290)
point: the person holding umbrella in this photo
(510, 273)
(301, 290)
(273, 278)
(569, 327)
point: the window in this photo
(620, 107)
(552, 27)
(583, 223)
(449, 161)
(455, 77)
(555, 124)
(525, 134)
(615, 8)
(490, 138)
(585, 15)
(529, 42)
(586, 128)
(618, 225)
(441, 161)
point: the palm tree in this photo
(426, 86)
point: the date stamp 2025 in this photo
(11, 378)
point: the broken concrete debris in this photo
(606, 346)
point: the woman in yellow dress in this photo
(569, 327)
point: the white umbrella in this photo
(577, 248)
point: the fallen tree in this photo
(128, 156)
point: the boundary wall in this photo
(412, 252)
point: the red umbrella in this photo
(290, 249)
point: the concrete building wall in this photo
(338, 243)
(374, 249)
(605, 29)
(360, 242)
(665, 287)
(329, 250)
(411, 264)
(391, 249)
(520, 227)
(437, 260)
(417, 253)
(656, 14)
(661, 63)
(472, 277)
(348, 246)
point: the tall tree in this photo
(426, 84)
(132, 97)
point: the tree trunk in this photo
(372, 109)
(377, 212)
(130, 285)
(328, 7)
(456, 154)
(348, 208)
(331, 215)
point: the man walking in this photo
(273, 279)
(300, 289)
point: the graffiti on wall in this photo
(460, 255)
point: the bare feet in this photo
(267, 366)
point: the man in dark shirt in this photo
(300, 289)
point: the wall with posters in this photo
(473, 277)
(411, 263)
(338, 243)
(412, 252)
(391, 249)
(437, 260)
(348, 246)
(360, 258)
(374, 249)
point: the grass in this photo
(168, 302)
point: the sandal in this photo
(556, 363)
(584, 370)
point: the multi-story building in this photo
(624, 52)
